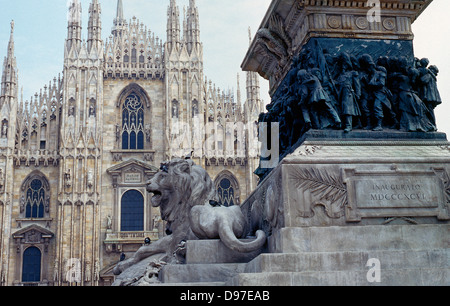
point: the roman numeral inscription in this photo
(378, 194)
(397, 192)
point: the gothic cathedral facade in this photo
(75, 159)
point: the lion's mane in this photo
(178, 187)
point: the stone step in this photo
(394, 277)
(199, 273)
(360, 238)
(214, 251)
(348, 261)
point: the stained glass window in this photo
(31, 267)
(226, 192)
(132, 212)
(35, 199)
(133, 123)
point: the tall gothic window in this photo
(31, 266)
(133, 123)
(132, 212)
(226, 192)
(35, 200)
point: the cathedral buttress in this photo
(81, 143)
(184, 84)
(8, 112)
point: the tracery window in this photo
(133, 123)
(226, 193)
(35, 200)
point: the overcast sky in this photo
(41, 28)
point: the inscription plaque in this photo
(133, 178)
(375, 194)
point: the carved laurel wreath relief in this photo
(330, 191)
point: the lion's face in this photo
(178, 187)
(171, 187)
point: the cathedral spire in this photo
(119, 15)
(74, 24)
(94, 26)
(9, 76)
(193, 25)
(173, 24)
(254, 102)
(119, 21)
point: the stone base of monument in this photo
(350, 209)
(340, 204)
(341, 256)
(208, 262)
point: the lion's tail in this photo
(229, 239)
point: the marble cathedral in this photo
(75, 158)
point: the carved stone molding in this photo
(271, 56)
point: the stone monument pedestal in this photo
(339, 200)
(341, 210)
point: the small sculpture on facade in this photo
(96, 271)
(71, 112)
(55, 272)
(90, 179)
(2, 179)
(4, 129)
(117, 132)
(148, 132)
(68, 179)
(87, 271)
(109, 222)
(92, 109)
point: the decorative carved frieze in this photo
(290, 24)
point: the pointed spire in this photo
(95, 26)
(238, 91)
(74, 24)
(119, 15)
(254, 102)
(173, 23)
(193, 25)
(119, 21)
(11, 40)
(9, 76)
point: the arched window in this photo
(133, 123)
(226, 193)
(132, 212)
(133, 55)
(35, 199)
(31, 265)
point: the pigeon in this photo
(214, 203)
(122, 257)
(189, 156)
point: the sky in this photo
(41, 29)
